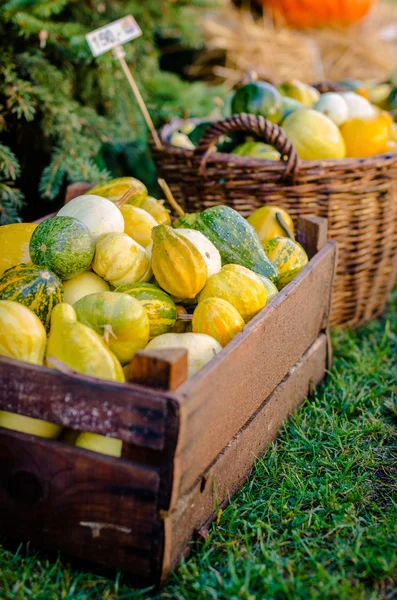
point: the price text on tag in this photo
(119, 32)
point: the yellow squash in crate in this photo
(270, 221)
(218, 318)
(82, 349)
(240, 286)
(157, 209)
(14, 244)
(288, 256)
(83, 285)
(138, 224)
(120, 260)
(23, 337)
(114, 189)
(177, 264)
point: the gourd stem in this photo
(108, 333)
(130, 192)
(168, 194)
(184, 317)
(284, 226)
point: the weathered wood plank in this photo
(312, 233)
(217, 402)
(160, 369)
(231, 468)
(85, 504)
(129, 412)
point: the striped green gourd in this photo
(38, 289)
(64, 245)
(160, 308)
(236, 240)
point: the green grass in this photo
(317, 518)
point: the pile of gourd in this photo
(109, 275)
(355, 123)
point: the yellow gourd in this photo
(83, 285)
(14, 244)
(22, 334)
(314, 136)
(270, 221)
(366, 137)
(271, 290)
(99, 443)
(80, 347)
(239, 286)
(177, 264)
(138, 224)
(120, 260)
(115, 189)
(157, 209)
(23, 337)
(288, 256)
(218, 318)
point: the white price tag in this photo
(119, 32)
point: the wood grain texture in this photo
(129, 412)
(217, 402)
(233, 465)
(89, 505)
(160, 369)
(312, 233)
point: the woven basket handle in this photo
(267, 131)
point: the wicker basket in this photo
(357, 196)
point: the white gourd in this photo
(333, 106)
(357, 106)
(206, 248)
(98, 214)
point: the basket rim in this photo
(348, 163)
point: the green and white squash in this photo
(64, 245)
(120, 319)
(236, 240)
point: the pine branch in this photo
(11, 202)
(9, 165)
(53, 176)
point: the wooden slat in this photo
(312, 233)
(162, 369)
(85, 504)
(132, 413)
(217, 402)
(231, 468)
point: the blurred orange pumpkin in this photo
(315, 13)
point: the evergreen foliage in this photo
(65, 116)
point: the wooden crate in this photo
(187, 446)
